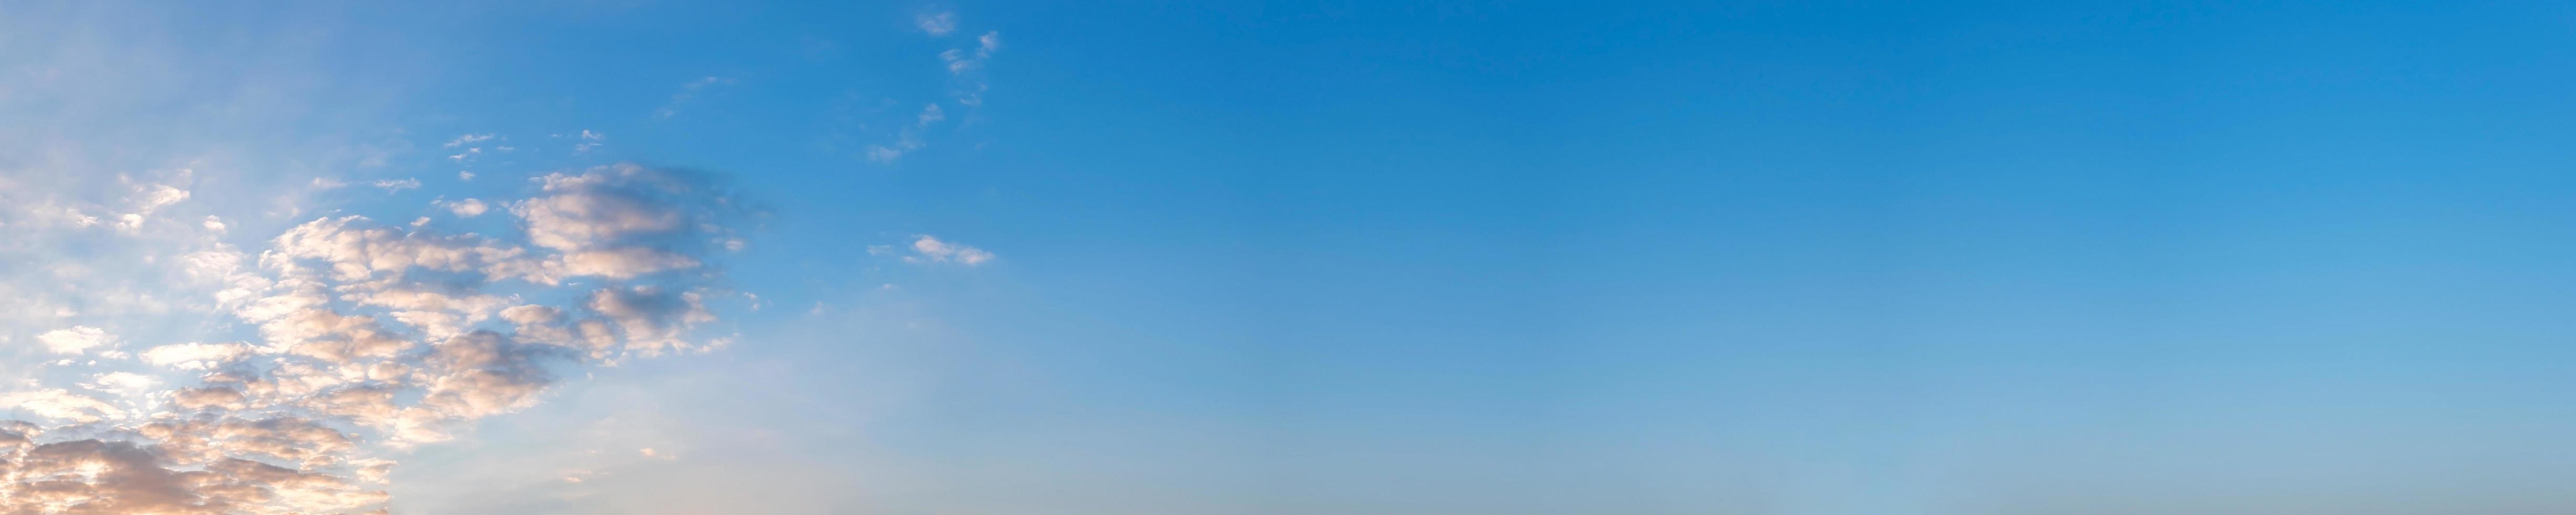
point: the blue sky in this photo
(1326, 257)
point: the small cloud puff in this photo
(467, 208)
(928, 249)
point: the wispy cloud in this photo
(688, 91)
(967, 87)
(467, 139)
(467, 208)
(584, 141)
(966, 65)
(928, 249)
(910, 138)
(393, 185)
(936, 23)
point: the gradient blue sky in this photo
(1490, 258)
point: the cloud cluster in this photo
(363, 340)
(967, 66)
(967, 86)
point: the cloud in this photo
(595, 208)
(930, 114)
(967, 87)
(588, 140)
(927, 249)
(966, 65)
(467, 139)
(122, 383)
(687, 91)
(157, 196)
(60, 404)
(936, 24)
(194, 356)
(963, 60)
(910, 138)
(392, 185)
(75, 339)
(885, 154)
(467, 208)
(624, 263)
(146, 199)
(371, 339)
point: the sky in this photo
(1048, 257)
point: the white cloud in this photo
(358, 250)
(195, 356)
(467, 208)
(158, 196)
(597, 207)
(75, 339)
(910, 138)
(123, 383)
(347, 333)
(62, 405)
(885, 154)
(967, 66)
(927, 249)
(937, 24)
(967, 87)
(624, 263)
(467, 139)
(930, 114)
(147, 198)
(961, 61)
(48, 214)
(361, 337)
(391, 185)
